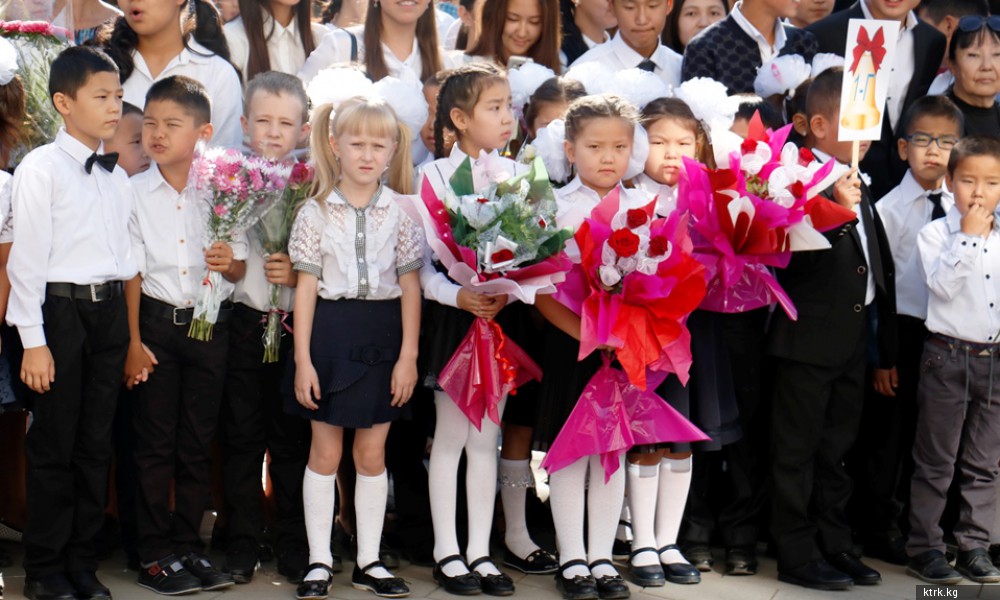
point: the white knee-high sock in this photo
(515, 479)
(643, 483)
(624, 532)
(318, 495)
(481, 488)
(566, 489)
(370, 495)
(675, 481)
(604, 504)
(450, 436)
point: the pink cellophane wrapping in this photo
(611, 416)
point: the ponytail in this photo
(327, 167)
(400, 175)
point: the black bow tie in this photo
(107, 162)
(647, 65)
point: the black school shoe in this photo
(976, 565)
(168, 577)
(242, 560)
(50, 587)
(386, 587)
(202, 568)
(88, 587)
(292, 563)
(699, 555)
(862, 574)
(610, 587)
(680, 573)
(933, 567)
(581, 587)
(539, 562)
(741, 560)
(493, 585)
(647, 575)
(467, 584)
(314, 589)
(817, 575)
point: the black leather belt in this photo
(98, 292)
(179, 316)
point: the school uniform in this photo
(731, 51)
(358, 255)
(214, 72)
(919, 50)
(619, 56)
(958, 423)
(253, 420)
(176, 411)
(820, 380)
(284, 44)
(67, 264)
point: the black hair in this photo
(461, 89)
(961, 40)
(601, 106)
(330, 11)
(552, 90)
(751, 103)
(74, 66)
(934, 11)
(202, 22)
(130, 109)
(971, 146)
(930, 106)
(185, 92)
(823, 96)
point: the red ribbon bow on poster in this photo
(875, 45)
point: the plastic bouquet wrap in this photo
(752, 215)
(274, 229)
(634, 288)
(234, 190)
(494, 234)
(38, 43)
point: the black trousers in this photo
(881, 462)
(814, 422)
(68, 447)
(253, 422)
(175, 417)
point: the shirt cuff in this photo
(410, 266)
(310, 268)
(966, 246)
(448, 295)
(32, 336)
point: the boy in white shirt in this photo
(69, 258)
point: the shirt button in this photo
(364, 282)
(188, 303)
(857, 308)
(861, 270)
(964, 243)
(178, 207)
(182, 241)
(360, 235)
(184, 272)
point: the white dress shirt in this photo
(69, 227)
(767, 50)
(356, 253)
(666, 195)
(618, 55)
(904, 212)
(450, 39)
(254, 290)
(215, 73)
(964, 280)
(444, 22)
(902, 66)
(284, 46)
(169, 239)
(6, 215)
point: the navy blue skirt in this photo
(354, 347)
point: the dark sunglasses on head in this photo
(971, 23)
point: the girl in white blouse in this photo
(357, 311)
(272, 35)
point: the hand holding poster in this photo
(871, 50)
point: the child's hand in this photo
(138, 364)
(278, 270)
(977, 221)
(847, 190)
(219, 257)
(38, 370)
(886, 381)
(472, 302)
(306, 385)
(404, 379)
(493, 305)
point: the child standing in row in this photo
(357, 309)
(177, 407)
(69, 259)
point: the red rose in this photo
(301, 173)
(748, 146)
(501, 256)
(624, 243)
(806, 157)
(797, 189)
(482, 200)
(541, 223)
(658, 246)
(636, 217)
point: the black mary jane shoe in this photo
(581, 587)
(681, 573)
(647, 575)
(314, 589)
(610, 587)
(385, 587)
(493, 585)
(466, 584)
(539, 562)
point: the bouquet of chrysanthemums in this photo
(235, 189)
(274, 229)
(38, 44)
(496, 234)
(751, 214)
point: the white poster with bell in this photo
(871, 50)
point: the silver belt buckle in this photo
(93, 293)
(174, 318)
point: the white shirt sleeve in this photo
(28, 264)
(334, 48)
(239, 46)
(227, 106)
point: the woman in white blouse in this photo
(272, 35)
